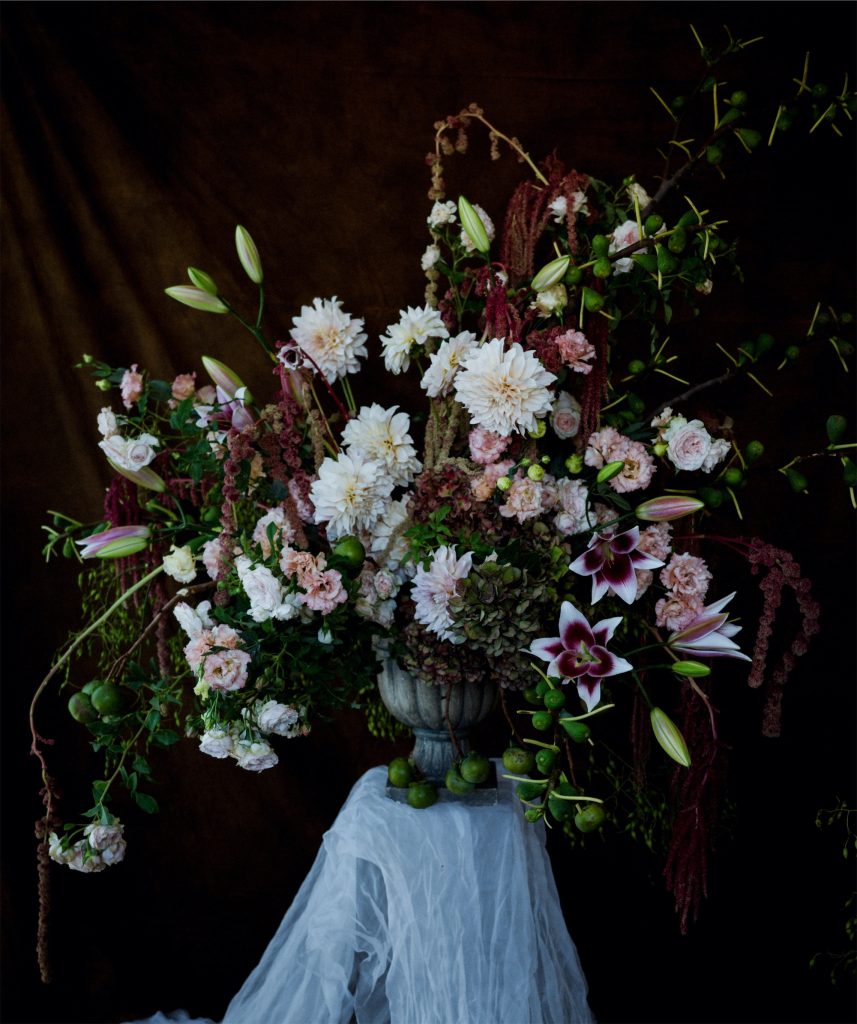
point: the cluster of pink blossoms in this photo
(323, 589)
(608, 445)
(216, 651)
(686, 578)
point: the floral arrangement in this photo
(550, 515)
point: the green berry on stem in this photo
(554, 699)
(475, 768)
(542, 720)
(518, 761)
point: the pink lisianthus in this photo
(675, 611)
(638, 469)
(486, 446)
(600, 445)
(686, 574)
(324, 591)
(184, 386)
(575, 350)
(226, 670)
(131, 386)
(528, 498)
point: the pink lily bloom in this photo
(610, 560)
(118, 542)
(580, 653)
(708, 635)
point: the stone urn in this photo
(431, 711)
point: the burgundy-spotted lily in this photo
(610, 560)
(708, 635)
(580, 653)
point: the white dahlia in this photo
(381, 435)
(504, 390)
(387, 543)
(433, 588)
(331, 338)
(414, 328)
(438, 378)
(350, 494)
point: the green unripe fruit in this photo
(678, 102)
(545, 760)
(784, 122)
(456, 784)
(714, 153)
(602, 267)
(106, 699)
(636, 367)
(636, 404)
(532, 696)
(533, 814)
(667, 263)
(653, 223)
(677, 241)
(542, 720)
(518, 761)
(562, 810)
(708, 84)
(792, 352)
(754, 451)
(733, 476)
(592, 300)
(80, 708)
(600, 245)
(849, 473)
(542, 687)
(400, 772)
(577, 731)
(574, 275)
(529, 790)
(739, 98)
(819, 90)
(421, 794)
(711, 496)
(764, 343)
(590, 818)
(350, 550)
(475, 768)
(93, 684)
(554, 699)
(798, 481)
(835, 427)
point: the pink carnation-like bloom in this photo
(301, 564)
(324, 591)
(575, 350)
(218, 636)
(638, 469)
(656, 540)
(131, 387)
(600, 445)
(486, 446)
(528, 498)
(484, 485)
(686, 574)
(675, 611)
(184, 386)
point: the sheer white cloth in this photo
(448, 915)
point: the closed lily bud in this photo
(144, 477)
(693, 669)
(669, 737)
(667, 508)
(119, 542)
(225, 378)
(611, 469)
(550, 273)
(473, 225)
(202, 280)
(248, 254)
(196, 298)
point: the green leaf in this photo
(160, 390)
(146, 803)
(153, 720)
(165, 737)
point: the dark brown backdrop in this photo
(135, 136)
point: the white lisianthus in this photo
(441, 214)
(433, 588)
(444, 364)
(331, 338)
(180, 564)
(350, 494)
(504, 390)
(267, 600)
(276, 718)
(487, 223)
(107, 425)
(216, 742)
(551, 300)
(414, 328)
(193, 620)
(430, 257)
(254, 754)
(381, 435)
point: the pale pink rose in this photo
(484, 485)
(677, 610)
(528, 498)
(575, 350)
(183, 386)
(637, 471)
(131, 387)
(686, 574)
(226, 670)
(656, 540)
(385, 583)
(486, 446)
(565, 416)
(688, 443)
(324, 591)
(216, 742)
(255, 755)
(139, 451)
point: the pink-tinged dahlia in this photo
(580, 653)
(709, 634)
(610, 560)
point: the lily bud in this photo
(610, 470)
(120, 542)
(248, 254)
(669, 737)
(473, 225)
(144, 477)
(667, 508)
(196, 298)
(693, 669)
(550, 273)
(225, 378)
(202, 280)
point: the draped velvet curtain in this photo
(134, 137)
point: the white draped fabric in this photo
(448, 915)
